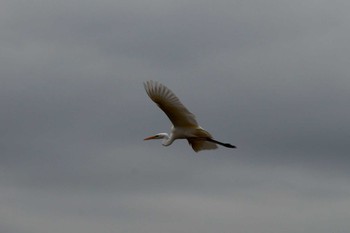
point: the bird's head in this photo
(158, 136)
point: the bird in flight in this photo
(184, 122)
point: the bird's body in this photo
(184, 122)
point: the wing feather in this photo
(170, 104)
(199, 142)
(198, 145)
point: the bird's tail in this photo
(221, 143)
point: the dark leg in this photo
(220, 143)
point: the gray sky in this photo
(271, 77)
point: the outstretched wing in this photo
(170, 104)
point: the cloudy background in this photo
(271, 77)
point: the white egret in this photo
(184, 122)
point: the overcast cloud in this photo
(271, 77)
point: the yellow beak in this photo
(149, 138)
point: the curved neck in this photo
(167, 140)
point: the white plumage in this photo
(185, 125)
